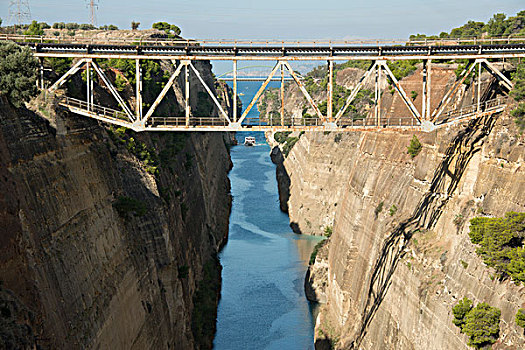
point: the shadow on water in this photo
(263, 305)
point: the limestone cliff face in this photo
(102, 253)
(400, 257)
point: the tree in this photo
(34, 29)
(135, 25)
(482, 325)
(18, 73)
(168, 28)
(518, 78)
(415, 147)
(461, 310)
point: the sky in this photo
(279, 19)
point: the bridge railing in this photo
(147, 40)
(105, 112)
(470, 110)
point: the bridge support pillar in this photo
(138, 90)
(187, 91)
(235, 91)
(428, 90)
(329, 112)
(89, 86)
(282, 94)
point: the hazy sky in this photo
(280, 19)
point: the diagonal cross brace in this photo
(401, 91)
(448, 96)
(355, 91)
(113, 91)
(259, 93)
(305, 92)
(163, 92)
(504, 80)
(225, 116)
(69, 73)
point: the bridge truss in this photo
(183, 56)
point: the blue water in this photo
(262, 304)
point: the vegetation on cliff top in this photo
(480, 323)
(520, 318)
(18, 73)
(499, 25)
(500, 242)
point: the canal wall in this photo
(386, 222)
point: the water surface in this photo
(262, 304)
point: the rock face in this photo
(400, 256)
(102, 253)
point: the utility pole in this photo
(19, 12)
(93, 6)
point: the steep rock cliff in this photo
(400, 257)
(101, 252)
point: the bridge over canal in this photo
(184, 53)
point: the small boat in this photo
(249, 141)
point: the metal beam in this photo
(224, 115)
(235, 91)
(429, 90)
(504, 80)
(355, 91)
(479, 88)
(329, 105)
(138, 90)
(187, 92)
(451, 92)
(304, 91)
(159, 98)
(424, 91)
(69, 73)
(259, 93)
(113, 91)
(282, 95)
(401, 92)
(88, 86)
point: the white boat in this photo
(249, 141)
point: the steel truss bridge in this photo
(183, 54)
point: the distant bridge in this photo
(183, 53)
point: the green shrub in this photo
(480, 323)
(338, 137)
(126, 205)
(290, 142)
(519, 116)
(34, 29)
(464, 264)
(500, 242)
(168, 28)
(413, 95)
(393, 210)
(460, 310)
(315, 251)
(415, 147)
(328, 230)
(18, 73)
(281, 136)
(379, 209)
(520, 318)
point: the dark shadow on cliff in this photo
(444, 182)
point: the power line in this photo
(19, 12)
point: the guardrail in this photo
(466, 111)
(148, 40)
(105, 112)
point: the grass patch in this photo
(290, 142)
(315, 251)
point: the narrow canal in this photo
(262, 304)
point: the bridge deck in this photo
(118, 118)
